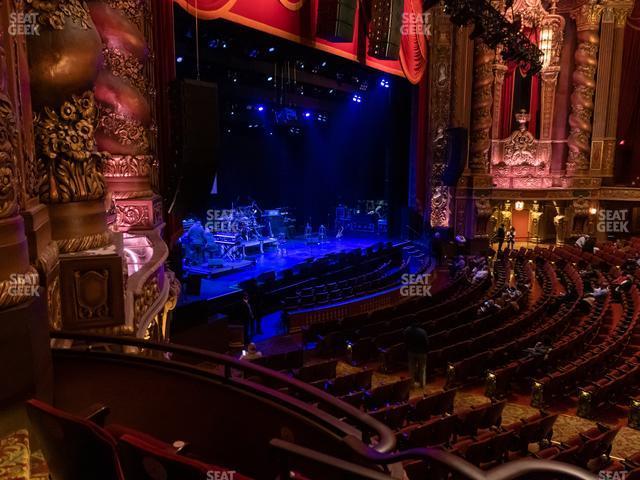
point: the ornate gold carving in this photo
(584, 85)
(8, 160)
(128, 131)
(54, 13)
(481, 102)
(134, 10)
(91, 290)
(126, 66)
(133, 216)
(587, 15)
(53, 302)
(66, 157)
(143, 301)
(127, 165)
(86, 242)
(48, 259)
(440, 117)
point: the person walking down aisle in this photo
(417, 342)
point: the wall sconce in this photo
(593, 210)
(519, 205)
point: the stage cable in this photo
(197, 45)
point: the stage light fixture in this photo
(593, 210)
(260, 108)
(307, 114)
(269, 79)
(179, 59)
(385, 83)
(324, 64)
(272, 49)
(357, 99)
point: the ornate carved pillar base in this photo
(93, 293)
(78, 226)
(138, 213)
(25, 355)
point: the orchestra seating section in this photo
(556, 330)
(552, 326)
(330, 279)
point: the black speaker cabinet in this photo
(385, 32)
(336, 20)
(196, 128)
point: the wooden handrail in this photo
(368, 425)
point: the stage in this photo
(221, 282)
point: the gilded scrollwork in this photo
(128, 131)
(54, 13)
(8, 161)
(66, 155)
(481, 102)
(143, 301)
(587, 19)
(127, 165)
(126, 66)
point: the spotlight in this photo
(179, 59)
(324, 64)
(272, 49)
(307, 114)
(357, 98)
(593, 210)
(260, 108)
(213, 43)
(384, 83)
(269, 79)
(621, 142)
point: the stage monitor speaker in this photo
(385, 33)
(336, 19)
(196, 128)
(456, 157)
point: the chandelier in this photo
(495, 30)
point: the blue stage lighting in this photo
(324, 64)
(272, 49)
(307, 114)
(260, 108)
(269, 78)
(179, 59)
(357, 98)
(384, 83)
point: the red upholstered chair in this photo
(74, 447)
(149, 459)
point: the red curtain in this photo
(296, 20)
(629, 108)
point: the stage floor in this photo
(297, 252)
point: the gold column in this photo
(125, 94)
(63, 60)
(621, 11)
(587, 19)
(440, 115)
(603, 84)
(17, 278)
(481, 102)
